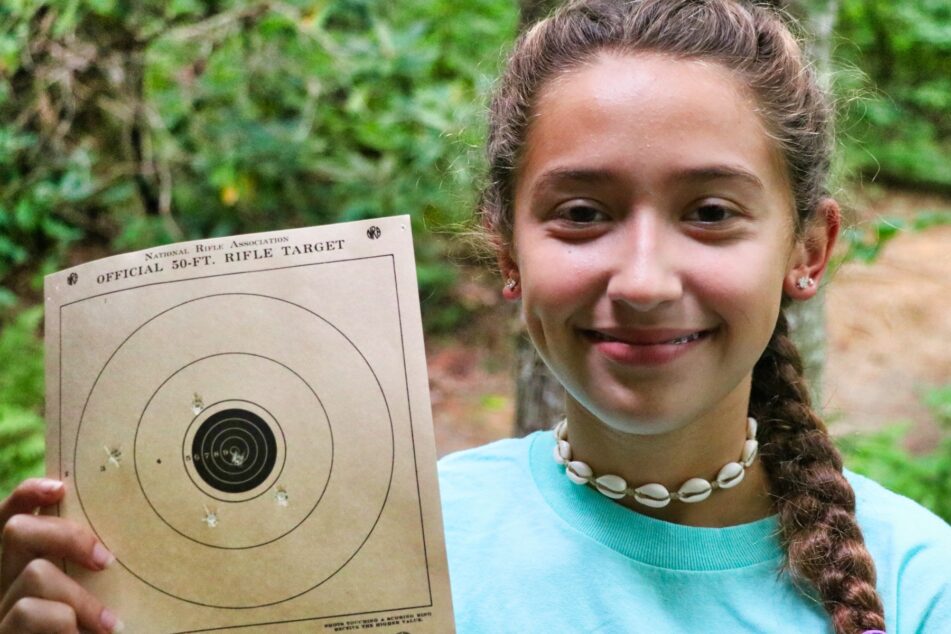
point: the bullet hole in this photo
(114, 455)
(211, 518)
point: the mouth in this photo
(645, 347)
(647, 337)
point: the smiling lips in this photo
(634, 346)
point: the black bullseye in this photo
(234, 450)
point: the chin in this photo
(636, 418)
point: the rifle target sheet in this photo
(245, 423)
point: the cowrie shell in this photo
(561, 430)
(695, 490)
(730, 475)
(611, 485)
(751, 426)
(562, 452)
(750, 447)
(653, 495)
(578, 472)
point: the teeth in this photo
(678, 341)
(687, 339)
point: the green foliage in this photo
(865, 243)
(126, 125)
(21, 393)
(899, 131)
(178, 120)
(925, 478)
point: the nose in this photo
(646, 272)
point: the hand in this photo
(35, 595)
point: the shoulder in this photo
(911, 547)
(499, 457)
(491, 485)
(490, 466)
(884, 514)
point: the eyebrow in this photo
(716, 172)
(705, 173)
(560, 175)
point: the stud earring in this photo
(511, 291)
(805, 282)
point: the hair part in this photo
(814, 501)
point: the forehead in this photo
(648, 114)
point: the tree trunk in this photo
(807, 320)
(539, 395)
(540, 399)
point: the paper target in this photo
(232, 429)
(244, 422)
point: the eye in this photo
(711, 213)
(580, 213)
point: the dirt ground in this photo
(889, 327)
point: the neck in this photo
(697, 449)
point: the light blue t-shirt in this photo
(530, 552)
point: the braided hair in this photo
(825, 551)
(815, 503)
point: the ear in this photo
(812, 251)
(509, 269)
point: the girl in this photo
(656, 196)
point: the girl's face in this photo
(653, 238)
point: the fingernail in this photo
(110, 622)
(102, 557)
(48, 485)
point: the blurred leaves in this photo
(925, 478)
(894, 58)
(865, 242)
(125, 125)
(131, 125)
(21, 392)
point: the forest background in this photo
(125, 125)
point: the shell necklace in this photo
(654, 494)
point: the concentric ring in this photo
(233, 450)
(243, 359)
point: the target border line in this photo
(422, 523)
(412, 433)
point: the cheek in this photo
(557, 279)
(559, 291)
(745, 288)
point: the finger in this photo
(39, 616)
(43, 580)
(29, 537)
(30, 495)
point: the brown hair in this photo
(814, 501)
